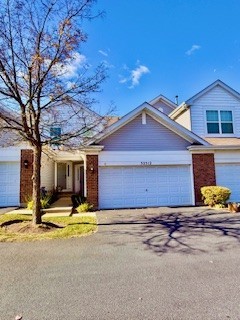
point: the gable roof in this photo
(158, 116)
(185, 105)
(161, 97)
(210, 87)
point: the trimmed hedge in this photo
(215, 195)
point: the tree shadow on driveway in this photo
(182, 230)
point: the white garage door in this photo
(132, 187)
(228, 175)
(9, 183)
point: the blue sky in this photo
(169, 47)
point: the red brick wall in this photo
(92, 180)
(26, 175)
(203, 173)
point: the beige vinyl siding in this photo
(184, 119)
(47, 173)
(215, 98)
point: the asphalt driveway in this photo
(162, 263)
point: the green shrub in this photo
(215, 195)
(45, 203)
(84, 207)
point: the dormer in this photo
(163, 104)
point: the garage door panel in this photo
(9, 183)
(125, 203)
(228, 175)
(121, 187)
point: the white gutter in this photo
(92, 150)
(212, 148)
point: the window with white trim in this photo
(55, 133)
(219, 121)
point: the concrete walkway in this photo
(60, 208)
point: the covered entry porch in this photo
(69, 177)
(70, 173)
(76, 172)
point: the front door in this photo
(64, 176)
(79, 179)
(61, 175)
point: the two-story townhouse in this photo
(59, 169)
(214, 115)
(159, 154)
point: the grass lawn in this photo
(19, 228)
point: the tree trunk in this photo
(36, 214)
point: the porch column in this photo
(26, 172)
(55, 175)
(92, 179)
(203, 173)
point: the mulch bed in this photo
(26, 227)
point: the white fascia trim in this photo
(211, 148)
(178, 111)
(210, 87)
(92, 150)
(163, 98)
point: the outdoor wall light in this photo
(92, 169)
(25, 162)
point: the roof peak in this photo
(217, 82)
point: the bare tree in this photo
(40, 42)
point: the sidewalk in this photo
(60, 208)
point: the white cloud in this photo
(104, 53)
(70, 84)
(135, 75)
(125, 67)
(193, 48)
(72, 65)
(108, 64)
(69, 69)
(123, 80)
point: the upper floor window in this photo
(88, 133)
(55, 133)
(219, 121)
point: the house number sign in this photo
(146, 163)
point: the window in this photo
(88, 133)
(219, 121)
(55, 133)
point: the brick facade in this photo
(203, 173)
(92, 180)
(26, 175)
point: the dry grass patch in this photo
(20, 228)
